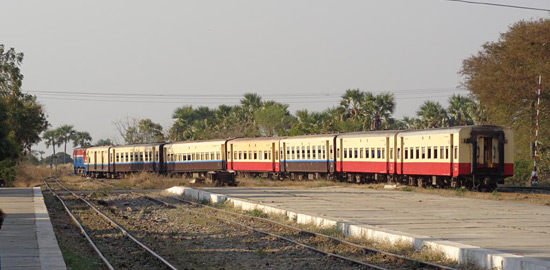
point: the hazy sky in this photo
(304, 53)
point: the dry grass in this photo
(29, 175)
(141, 180)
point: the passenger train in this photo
(477, 157)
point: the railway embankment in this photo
(491, 234)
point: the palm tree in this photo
(460, 110)
(51, 138)
(66, 133)
(377, 109)
(432, 115)
(82, 139)
(251, 102)
(41, 153)
(351, 101)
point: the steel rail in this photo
(81, 228)
(328, 254)
(365, 248)
(118, 226)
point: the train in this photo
(476, 157)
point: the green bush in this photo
(522, 173)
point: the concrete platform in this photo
(27, 239)
(504, 235)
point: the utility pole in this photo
(535, 173)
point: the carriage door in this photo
(400, 154)
(154, 159)
(284, 158)
(273, 153)
(113, 159)
(102, 159)
(230, 157)
(95, 160)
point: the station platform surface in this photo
(517, 228)
(27, 239)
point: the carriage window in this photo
(303, 152)
(140, 156)
(324, 154)
(320, 152)
(442, 152)
(269, 155)
(308, 151)
(446, 152)
(379, 153)
(314, 152)
(417, 155)
(345, 153)
(297, 152)
(429, 152)
(355, 154)
(372, 153)
(383, 152)
(255, 154)
(406, 153)
(423, 152)
(244, 155)
(367, 152)
(237, 155)
(391, 153)
(218, 155)
(361, 150)
(435, 151)
(456, 152)
(249, 154)
(288, 156)
(117, 157)
(398, 153)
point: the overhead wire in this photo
(499, 5)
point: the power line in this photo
(225, 100)
(224, 96)
(499, 5)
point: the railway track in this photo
(363, 256)
(332, 248)
(544, 190)
(108, 236)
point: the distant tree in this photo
(351, 101)
(82, 139)
(104, 142)
(273, 119)
(60, 158)
(22, 118)
(432, 115)
(503, 77)
(66, 133)
(142, 131)
(377, 109)
(460, 110)
(52, 139)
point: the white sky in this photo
(279, 49)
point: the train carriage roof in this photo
(137, 145)
(377, 133)
(448, 130)
(311, 136)
(258, 139)
(198, 142)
